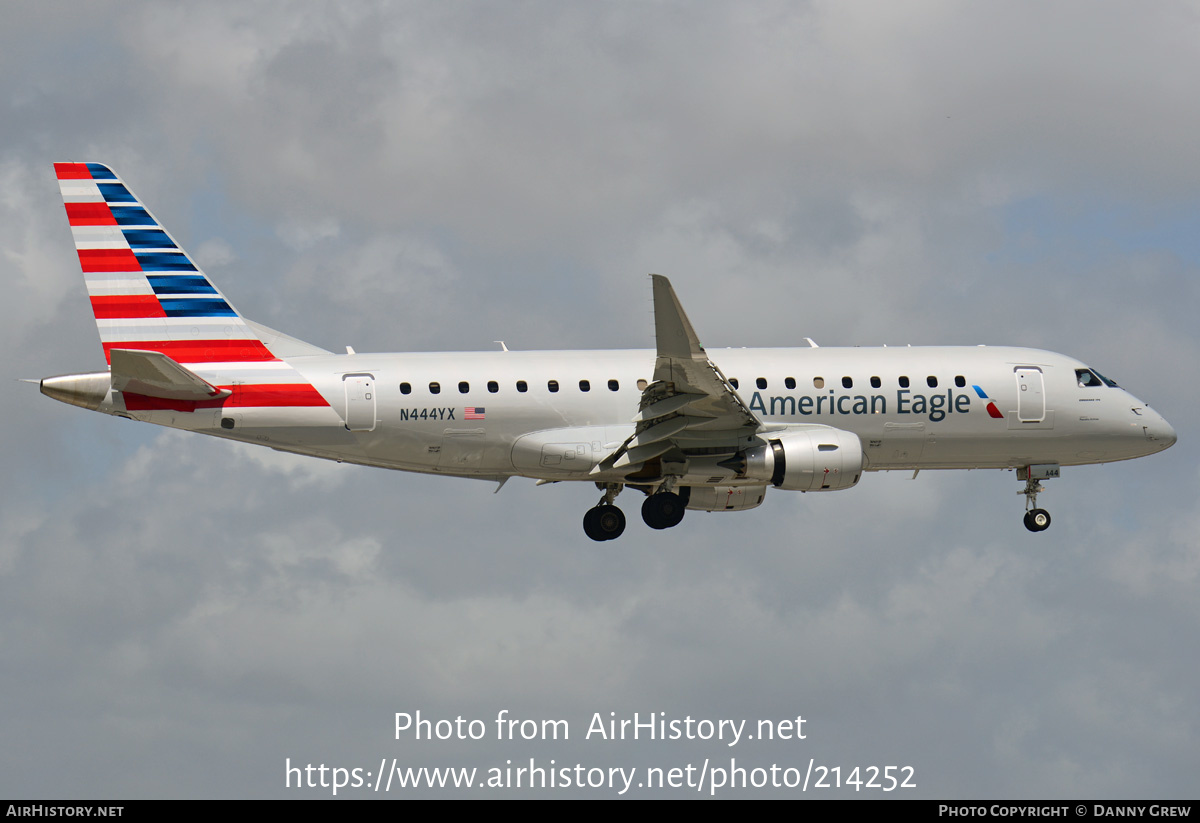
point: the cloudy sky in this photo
(179, 615)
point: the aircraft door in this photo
(360, 402)
(1031, 397)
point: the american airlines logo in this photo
(991, 407)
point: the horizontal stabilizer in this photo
(153, 374)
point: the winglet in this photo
(673, 332)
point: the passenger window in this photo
(960, 381)
(405, 388)
(876, 382)
(847, 383)
(464, 387)
(435, 388)
(642, 384)
(613, 385)
(493, 386)
(818, 382)
(522, 386)
(733, 382)
(903, 382)
(790, 382)
(585, 385)
(761, 382)
(552, 385)
(931, 381)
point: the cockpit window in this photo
(1089, 379)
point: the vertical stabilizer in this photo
(146, 292)
(172, 340)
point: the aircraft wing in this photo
(690, 402)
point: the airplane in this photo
(690, 428)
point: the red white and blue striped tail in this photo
(149, 296)
(146, 292)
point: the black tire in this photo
(650, 513)
(589, 524)
(1040, 518)
(663, 510)
(608, 522)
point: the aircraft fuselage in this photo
(465, 414)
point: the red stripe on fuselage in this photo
(119, 306)
(93, 260)
(140, 402)
(274, 394)
(72, 171)
(262, 396)
(90, 214)
(198, 351)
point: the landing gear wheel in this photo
(1037, 520)
(604, 522)
(663, 510)
(589, 524)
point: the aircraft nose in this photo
(1160, 431)
(1168, 433)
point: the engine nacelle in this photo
(726, 498)
(808, 460)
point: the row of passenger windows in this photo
(848, 382)
(492, 386)
(586, 385)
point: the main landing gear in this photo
(660, 510)
(1036, 520)
(663, 510)
(604, 521)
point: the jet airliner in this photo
(687, 427)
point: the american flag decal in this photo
(473, 413)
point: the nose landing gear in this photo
(1036, 520)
